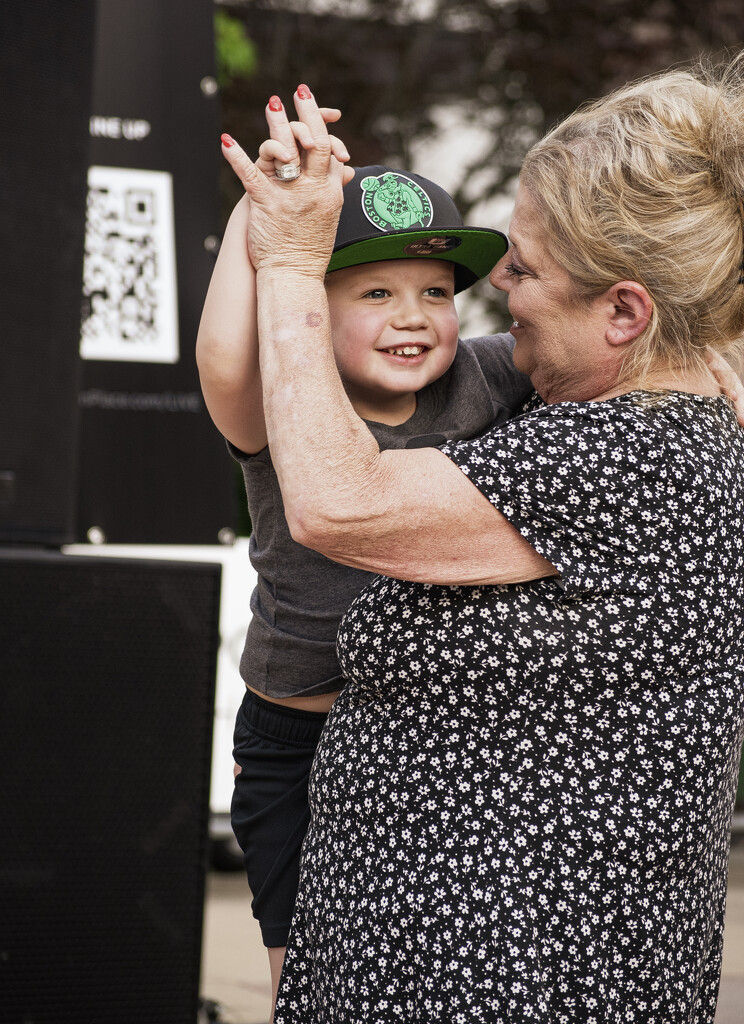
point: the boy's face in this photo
(394, 328)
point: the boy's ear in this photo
(630, 311)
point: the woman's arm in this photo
(411, 514)
(227, 342)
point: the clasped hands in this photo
(292, 222)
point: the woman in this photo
(521, 801)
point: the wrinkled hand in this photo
(292, 225)
(728, 380)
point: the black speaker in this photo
(46, 56)
(106, 715)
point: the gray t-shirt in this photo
(290, 649)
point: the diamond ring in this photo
(288, 172)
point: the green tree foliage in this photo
(236, 53)
(514, 66)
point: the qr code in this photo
(130, 311)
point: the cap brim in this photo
(475, 250)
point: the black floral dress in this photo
(522, 799)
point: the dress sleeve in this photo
(581, 483)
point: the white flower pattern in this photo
(521, 801)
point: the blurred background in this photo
(124, 573)
(457, 91)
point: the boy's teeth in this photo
(408, 350)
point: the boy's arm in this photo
(227, 342)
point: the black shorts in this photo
(274, 746)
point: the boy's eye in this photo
(437, 293)
(376, 293)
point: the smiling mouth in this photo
(406, 350)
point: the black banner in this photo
(153, 468)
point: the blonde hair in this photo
(647, 185)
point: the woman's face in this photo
(560, 340)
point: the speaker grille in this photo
(106, 714)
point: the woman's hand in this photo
(286, 137)
(729, 381)
(292, 224)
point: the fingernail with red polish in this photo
(227, 141)
(275, 103)
(304, 93)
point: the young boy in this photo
(401, 254)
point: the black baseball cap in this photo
(397, 215)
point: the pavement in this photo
(235, 967)
(235, 971)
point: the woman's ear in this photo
(630, 313)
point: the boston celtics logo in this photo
(392, 202)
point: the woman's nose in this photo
(498, 276)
